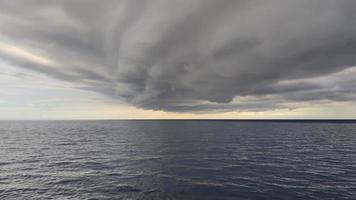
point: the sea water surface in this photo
(177, 160)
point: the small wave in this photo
(207, 183)
(58, 164)
(5, 163)
(66, 144)
(66, 181)
(127, 188)
(151, 191)
(114, 174)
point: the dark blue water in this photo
(177, 160)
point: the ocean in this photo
(177, 159)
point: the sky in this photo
(159, 59)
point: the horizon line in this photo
(192, 119)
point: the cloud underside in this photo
(189, 56)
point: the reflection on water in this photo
(177, 160)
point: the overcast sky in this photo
(90, 59)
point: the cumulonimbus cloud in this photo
(184, 55)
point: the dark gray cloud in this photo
(190, 56)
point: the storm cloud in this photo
(189, 55)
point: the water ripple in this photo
(177, 160)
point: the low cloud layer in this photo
(189, 56)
